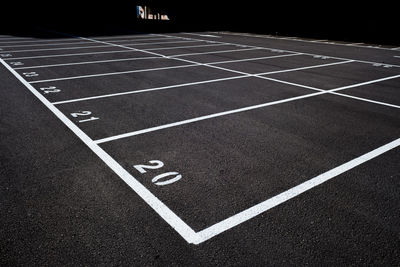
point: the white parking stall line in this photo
(308, 67)
(71, 55)
(52, 44)
(213, 52)
(94, 46)
(88, 62)
(307, 41)
(254, 59)
(291, 193)
(179, 47)
(113, 73)
(202, 35)
(148, 90)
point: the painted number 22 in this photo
(159, 179)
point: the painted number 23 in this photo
(161, 178)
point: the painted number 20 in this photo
(161, 178)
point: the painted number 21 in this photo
(161, 178)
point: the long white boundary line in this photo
(95, 46)
(268, 204)
(82, 42)
(148, 90)
(168, 215)
(114, 73)
(87, 62)
(51, 41)
(71, 55)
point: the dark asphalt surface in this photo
(60, 204)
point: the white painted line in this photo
(52, 44)
(233, 111)
(159, 207)
(253, 59)
(365, 83)
(88, 62)
(158, 43)
(367, 100)
(94, 46)
(83, 42)
(177, 47)
(396, 48)
(71, 55)
(317, 41)
(298, 40)
(202, 35)
(397, 56)
(32, 40)
(113, 73)
(52, 49)
(309, 67)
(148, 90)
(272, 202)
(213, 52)
(2, 38)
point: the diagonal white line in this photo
(113, 73)
(270, 203)
(148, 90)
(87, 62)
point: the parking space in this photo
(210, 132)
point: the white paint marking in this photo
(253, 59)
(299, 40)
(202, 35)
(214, 52)
(113, 73)
(88, 62)
(168, 215)
(309, 67)
(71, 55)
(96, 46)
(83, 42)
(367, 100)
(188, 46)
(148, 90)
(270, 203)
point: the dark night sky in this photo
(366, 21)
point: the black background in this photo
(367, 21)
